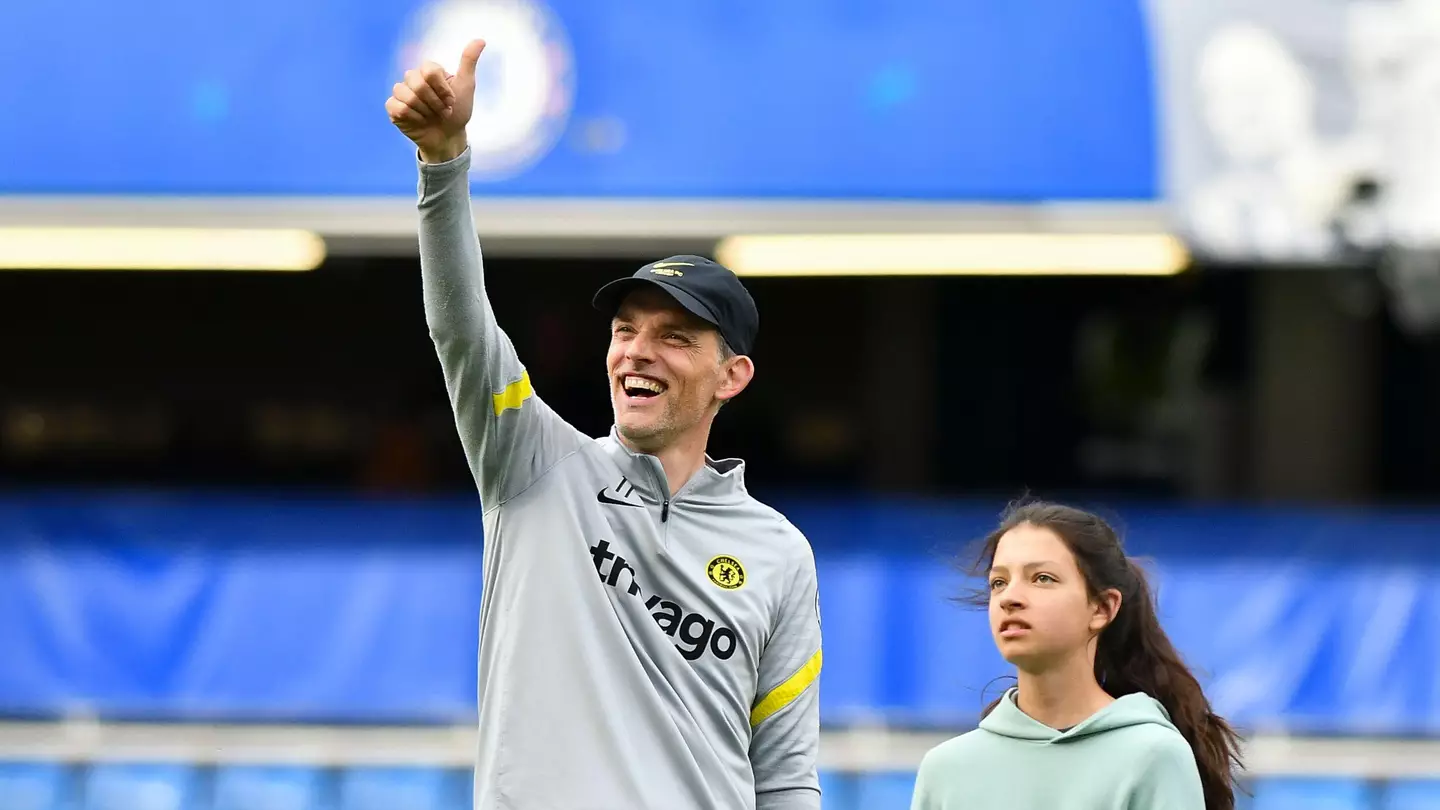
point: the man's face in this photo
(667, 375)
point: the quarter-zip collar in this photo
(717, 481)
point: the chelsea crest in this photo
(726, 572)
(524, 82)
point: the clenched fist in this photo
(432, 107)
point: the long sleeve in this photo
(510, 436)
(785, 720)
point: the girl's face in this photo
(1040, 610)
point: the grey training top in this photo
(637, 651)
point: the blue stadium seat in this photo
(1411, 794)
(837, 791)
(270, 788)
(884, 791)
(34, 786)
(142, 787)
(403, 788)
(1312, 793)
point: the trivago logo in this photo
(694, 632)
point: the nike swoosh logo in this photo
(603, 498)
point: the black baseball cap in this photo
(708, 290)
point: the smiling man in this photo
(649, 632)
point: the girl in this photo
(1104, 716)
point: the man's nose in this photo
(640, 347)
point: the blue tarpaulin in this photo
(282, 608)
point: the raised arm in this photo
(509, 435)
(785, 720)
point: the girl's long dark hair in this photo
(1133, 653)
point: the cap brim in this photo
(608, 298)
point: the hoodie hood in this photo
(1135, 709)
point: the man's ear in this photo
(737, 372)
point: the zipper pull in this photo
(665, 511)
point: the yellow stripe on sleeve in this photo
(784, 694)
(514, 394)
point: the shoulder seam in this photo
(538, 476)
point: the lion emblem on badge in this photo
(726, 572)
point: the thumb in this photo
(469, 57)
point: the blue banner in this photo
(1006, 102)
(283, 609)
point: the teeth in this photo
(643, 384)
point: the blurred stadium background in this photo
(1173, 260)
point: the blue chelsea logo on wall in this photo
(524, 83)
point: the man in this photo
(649, 633)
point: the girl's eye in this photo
(1044, 578)
(996, 583)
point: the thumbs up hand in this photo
(432, 107)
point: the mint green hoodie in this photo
(1127, 756)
